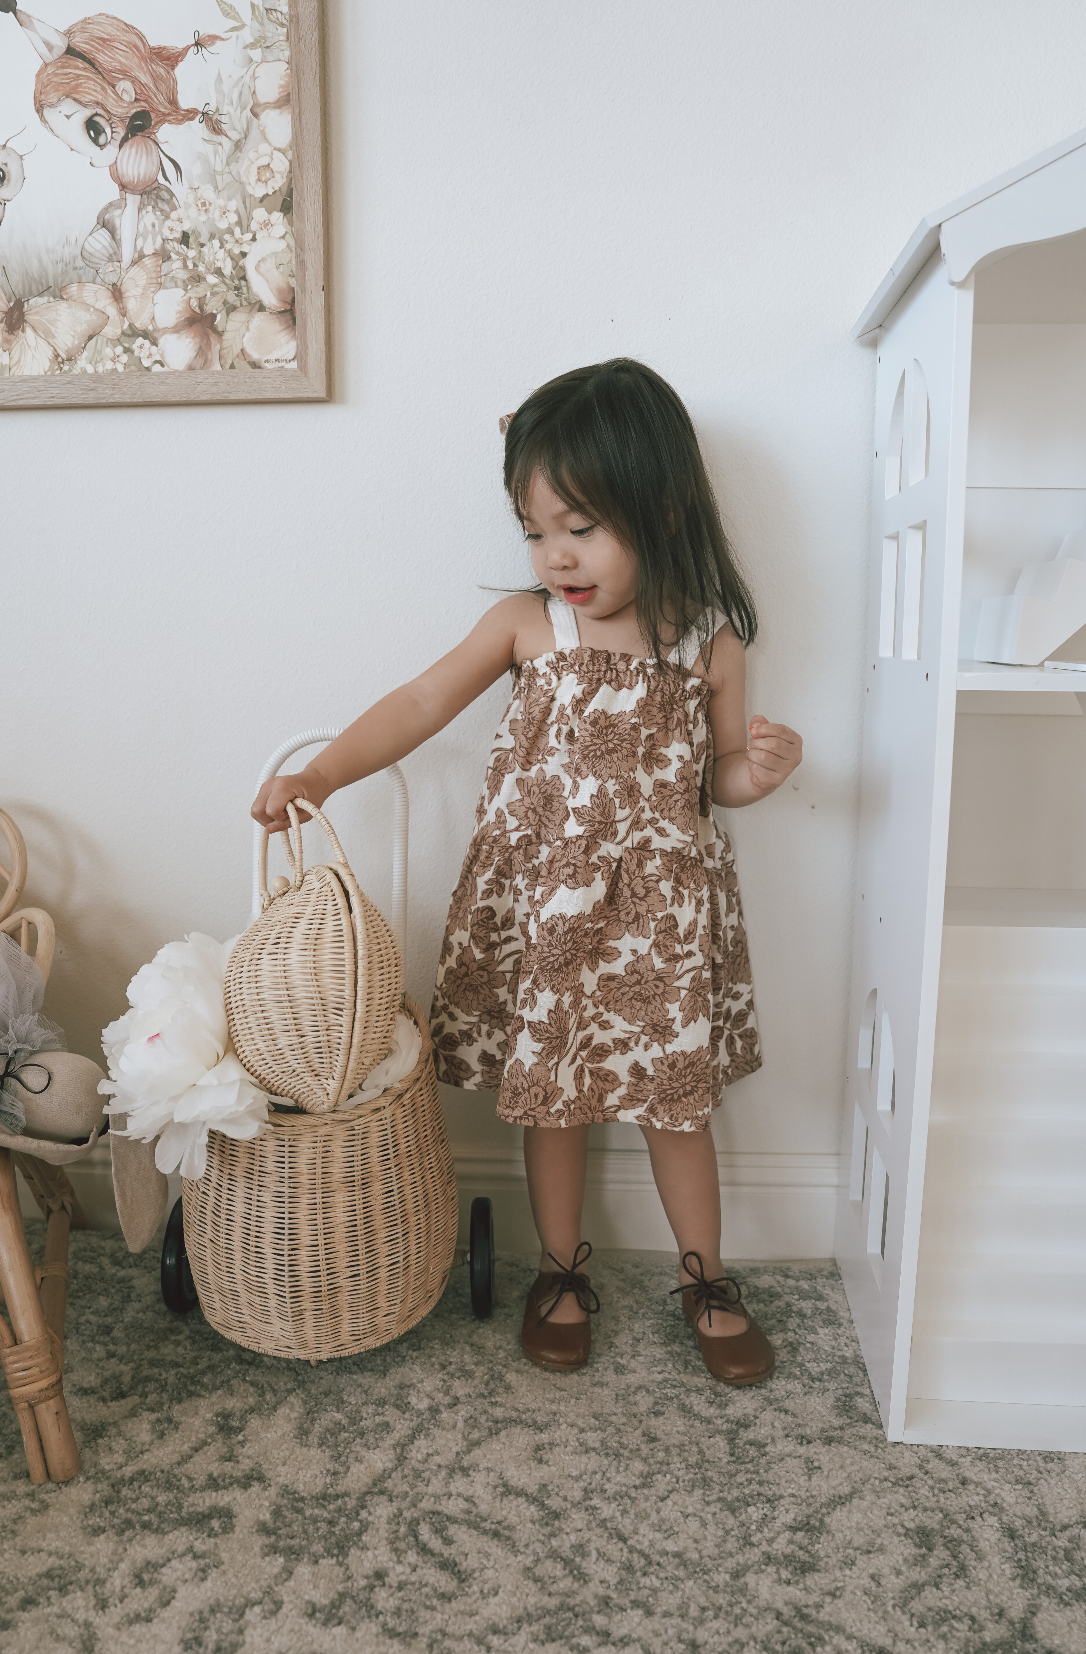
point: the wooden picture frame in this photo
(163, 332)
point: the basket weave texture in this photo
(329, 1234)
(313, 986)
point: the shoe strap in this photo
(572, 1280)
(722, 1293)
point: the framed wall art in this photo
(161, 226)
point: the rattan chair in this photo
(32, 1347)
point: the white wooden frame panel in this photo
(923, 312)
(904, 811)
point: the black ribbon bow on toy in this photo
(13, 1068)
(12, 1112)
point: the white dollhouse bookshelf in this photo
(961, 1231)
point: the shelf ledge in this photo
(984, 674)
(1033, 909)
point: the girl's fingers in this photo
(774, 743)
(764, 728)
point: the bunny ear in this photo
(48, 42)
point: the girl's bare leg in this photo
(684, 1167)
(555, 1161)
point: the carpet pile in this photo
(441, 1495)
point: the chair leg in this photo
(62, 1212)
(54, 1273)
(35, 1458)
(31, 1365)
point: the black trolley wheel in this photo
(481, 1257)
(178, 1286)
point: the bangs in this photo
(568, 452)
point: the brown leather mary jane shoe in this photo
(745, 1357)
(561, 1347)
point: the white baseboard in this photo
(773, 1205)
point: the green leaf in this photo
(234, 332)
(229, 13)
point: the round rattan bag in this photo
(313, 986)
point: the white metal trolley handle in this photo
(313, 737)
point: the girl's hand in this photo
(270, 805)
(773, 752)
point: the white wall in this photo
(514, 189)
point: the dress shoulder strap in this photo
(564, 621)
(686, 651)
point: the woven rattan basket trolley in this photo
(332, 1232)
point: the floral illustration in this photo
(190, 265)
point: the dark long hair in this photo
(615, 443)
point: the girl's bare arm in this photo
(750, 761)
(401, 721)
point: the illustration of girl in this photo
(594, 966)
(106, 92)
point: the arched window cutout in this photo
(857, 1179)
(886, 1091)
(888, 597)
(919, 427)
(912, 597)
(878, 1210)
(894, 440)
(865, 1056)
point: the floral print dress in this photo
(595, 962)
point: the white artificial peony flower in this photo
(224, 1100)
(401, 1060)
(172, 1069)
(264, 170)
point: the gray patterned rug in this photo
(440, 1494)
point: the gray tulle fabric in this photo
(23, 1030)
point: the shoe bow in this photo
(720, 1293)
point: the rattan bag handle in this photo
(293, 847)
(400, 813)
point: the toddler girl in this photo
(594, 966)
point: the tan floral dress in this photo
(595, 962)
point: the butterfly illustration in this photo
(40, 338)
(130, 300)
